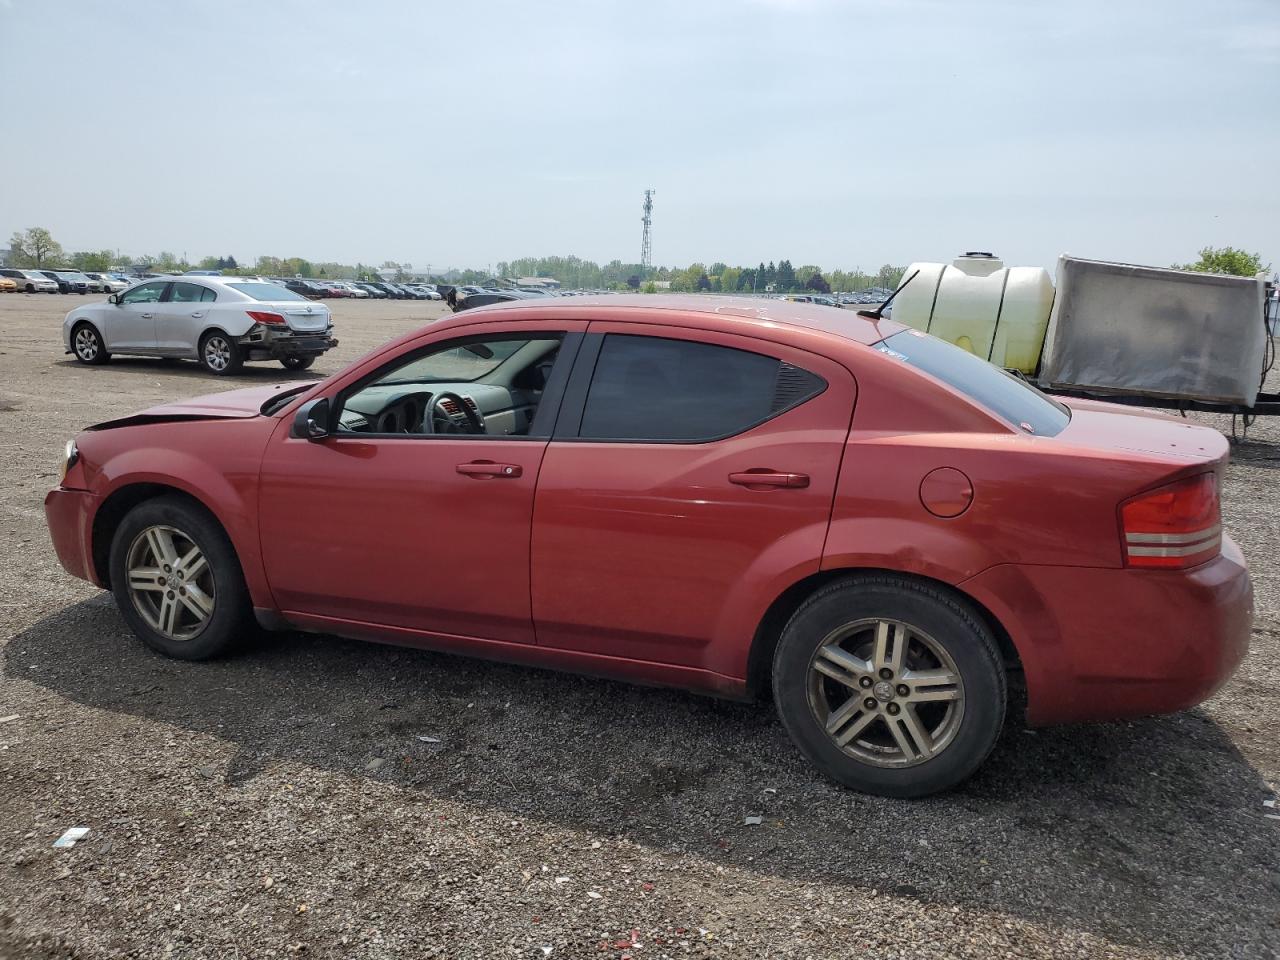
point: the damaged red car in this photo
(875, 527)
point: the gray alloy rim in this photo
(86, 344)
(886, 693)
(170, 582)
(217, 353)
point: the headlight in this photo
(69, 458)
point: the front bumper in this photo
(1099, 644)
(69, 514)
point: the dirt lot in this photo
(281, 803)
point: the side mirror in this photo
(114, 298)
(311, 422)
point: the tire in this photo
(217, 587)
(31, 288)
(220, 354)
(829, 674)
(297, 363)
(87, 345)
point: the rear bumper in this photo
(69, 514)
(264, 343)
(1102, 644)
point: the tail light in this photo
(271, 319)
(1175, 526)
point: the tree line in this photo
(37, 248)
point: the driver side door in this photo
(404, 532)
(131, 322)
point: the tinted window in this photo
(650, 388)
(144, 292)
(1003, 394)
(188, 293)
(265, 291)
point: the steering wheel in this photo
(468, 421)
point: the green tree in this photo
(1226, 260)
(35, 247)
(95, 260)
(817, 282)
(730, 278)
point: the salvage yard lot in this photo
(337, 799)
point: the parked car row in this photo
(60, 281)
(358, 289)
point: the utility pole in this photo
(646, 239)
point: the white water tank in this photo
(995, 312)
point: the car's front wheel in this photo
(890, 685)
(177, 580)
(87, 345)
(219, 354)
(297, 363)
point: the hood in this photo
(233, 404)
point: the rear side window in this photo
(653, 388)
(265, 291)
(190, 293)
(1003, 394)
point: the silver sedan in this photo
(219, 321)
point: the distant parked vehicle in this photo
(92, 285)
(65, 283)
(8, 285)
(374, 292)
(109, 283)
(30, 281)
(303, 289)
(222, 322)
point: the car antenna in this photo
(878, 312)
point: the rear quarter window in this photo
(1005, 395)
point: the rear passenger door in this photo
(182, 317)
(689, 479)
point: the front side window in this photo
(477, 387)
(1003, 394)
(657, 389)
(144, 292)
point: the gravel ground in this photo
(283, 803)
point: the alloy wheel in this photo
(86, 344)
(217, 353)
(170, 582)
(886, 693)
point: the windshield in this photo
(1002, 393)
(265, 291)
(72, 275)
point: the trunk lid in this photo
(301, 317)
(1134, 430)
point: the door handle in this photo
(768, 478)
(482, 469)
(147, 316)
(198, 314)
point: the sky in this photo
(843, 134)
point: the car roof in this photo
(683, 310)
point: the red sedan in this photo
(721, 495)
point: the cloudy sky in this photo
(459, 134)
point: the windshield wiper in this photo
(878, 312)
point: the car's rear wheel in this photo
(87, 344)
(177, 580)
(220, 354)
(297, 363)
(890, 685)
